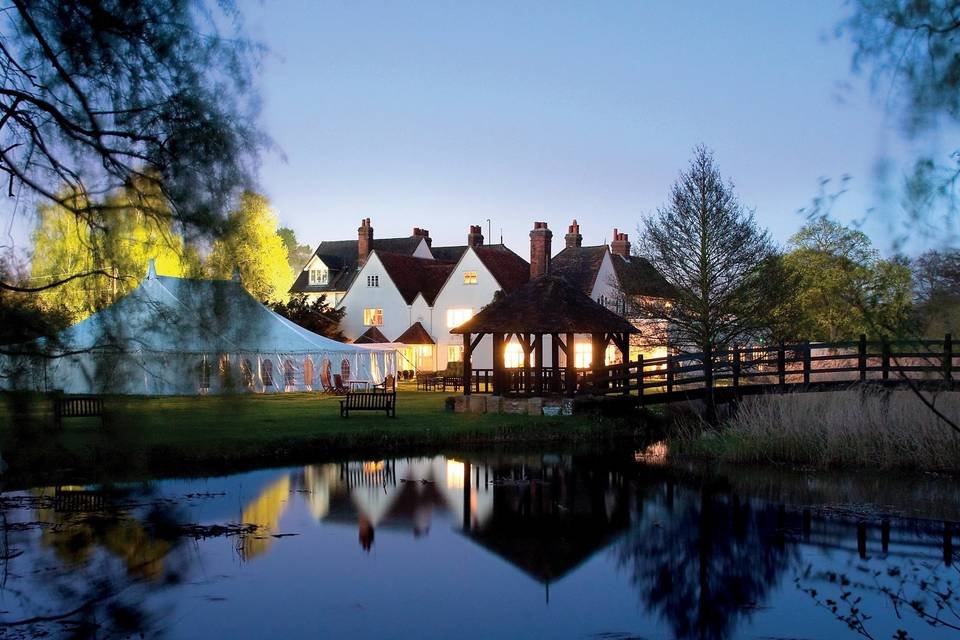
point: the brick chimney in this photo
(573, 237)
(620, 245)
(364, 241)
(475, 237)
(540, 238)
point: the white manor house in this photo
(406, 292)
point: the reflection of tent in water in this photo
(185, 336)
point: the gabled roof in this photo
(341, 258)
(639, 278)
(579, 265)
(509, 269)
(548, 304)
(372, 335)
(448, 254)
(415, 334)
(415, 275)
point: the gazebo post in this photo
(498, 343)
(599, 344)
(623, 343)
(554, 363)
(538, 372)
(571, 373)
(467, 366)
(525, 345)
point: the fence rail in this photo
(928, 363)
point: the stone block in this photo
(460, 404)
(494, 404)
(515, 406)
(477, 404)
(534, 406)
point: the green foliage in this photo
(117, 246)
(297, 254)
(316, 316)
(844, 288)
(250, 242)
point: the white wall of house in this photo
(385, 296)
(606, 285)
(421, 312)
(423, 251)
(458, 294)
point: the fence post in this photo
(885, 358)
(640, 379)
(806, 363)
(782, 366)
(862, 357)
(736, 366)
(948, 358)
(669, 373)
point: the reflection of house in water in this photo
(548, 517)
(265, 512)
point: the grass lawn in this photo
(173, 435)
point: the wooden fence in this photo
(739, 371)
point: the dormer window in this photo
(319, 276)
(373, 281)
(469, 277)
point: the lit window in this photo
(456, 317)
(266, 373)
(246, 372)
(289, 374)
(345, 369)
(319, 276)
(373, 281)
(610, 356)
(469, 277)
(372, 317)
(308, 372)
(513, 356)
(455, 353)
(582, 355)
(426, 350)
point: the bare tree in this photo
(148, 96)
(713, 255)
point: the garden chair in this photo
(325, 381)
(338, 387)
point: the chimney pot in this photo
(475, 237)
(620, 245)
(364, 241)
(573, 238)
(540, 239)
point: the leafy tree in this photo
(106, 95)
(115, 249)
(712, 254)
(936, 279)
(250, 242)
(297, 254)
(845, 289)
(316, 316)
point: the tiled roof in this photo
(416, 275)
(548, 304)
(579, 266)
(448, 254)
(415, 334)
(508, 268)
(639, 278)
(372, 335)
(341, 257)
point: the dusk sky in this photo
(441, 115)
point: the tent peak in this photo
(152, 269)
(236, 274)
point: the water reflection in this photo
(556, 545)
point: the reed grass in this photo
(847, 429)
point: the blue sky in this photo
(444, 114)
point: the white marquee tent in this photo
(185, 336)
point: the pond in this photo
(552, 545)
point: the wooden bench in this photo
(77, 407)
(369, 401)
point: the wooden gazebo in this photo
(545, 306)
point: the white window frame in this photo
(582, 355)
(318, 276)
(455, 353)
(456, 317)
(470, 277)
(373, 281)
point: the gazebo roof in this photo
(371, 336)
(415, 334)
(548, 304)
